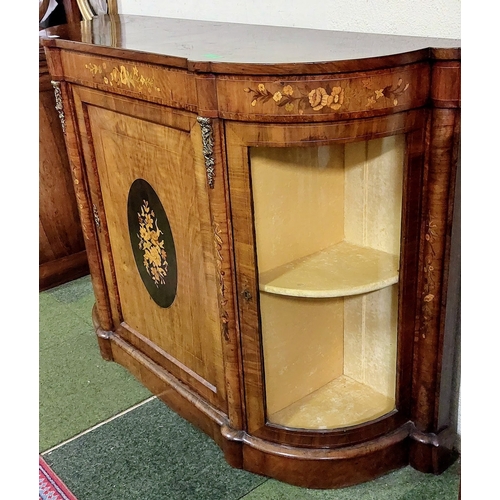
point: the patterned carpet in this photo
(50, 486)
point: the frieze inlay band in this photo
(208, 148)
(327, 97)
(59, 104)
(122, 77)
(222, 286)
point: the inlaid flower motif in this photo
(389, 92)
(123, 77)
(318, 98)
(150, 242)
(94, 68)
(337, 98)
(429, 271)
(303, 99)
(294, 99)
(262, 94)
(367, 83)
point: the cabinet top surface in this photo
(214, 46)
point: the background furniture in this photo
(269, 233)
(62, 254)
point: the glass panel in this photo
(327, 224)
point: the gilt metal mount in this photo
(208, 148)
(97, 219)
(59, 103)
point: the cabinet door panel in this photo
(128, 149)
(320, 226)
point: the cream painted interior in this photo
(340, 270)
(327, 228)
(339, 403)
(303, 346)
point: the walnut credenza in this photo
(268, 218)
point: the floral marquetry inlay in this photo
(429, 272)
(222, 287)
(390, 92)
(122, 77)
(331, 97)
(152, 243)
(153, 246)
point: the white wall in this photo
(433, 18)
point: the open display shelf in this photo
(340, 403)
(328, 228)
(340, 270)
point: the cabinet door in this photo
(326, 241)
(148, 187)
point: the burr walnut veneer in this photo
(267, 214)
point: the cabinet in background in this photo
(62, 255)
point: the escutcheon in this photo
(152, 243)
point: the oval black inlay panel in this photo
(152, 242)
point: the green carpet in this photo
(77, 388)
(403, 484)
(149, 452)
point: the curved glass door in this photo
(327, 227)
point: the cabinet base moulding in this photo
(305, 467)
